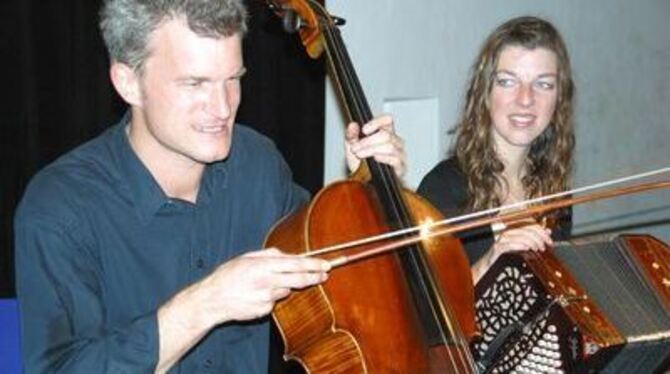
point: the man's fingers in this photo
(298, 280)
(297, 264)
(268, 252)
(382, 146)
(352, 132)
(279, 293)
(382, 122)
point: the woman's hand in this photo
(529, 237)
(523, 237)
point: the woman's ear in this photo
(126, 81)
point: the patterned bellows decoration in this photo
(584, 306)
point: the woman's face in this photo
(523, 98)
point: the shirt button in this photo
(200, 263)
(207, 363)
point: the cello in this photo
(410, 311)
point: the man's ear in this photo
(126, 81)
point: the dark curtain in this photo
(56, 94)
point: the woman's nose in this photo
(525, 95)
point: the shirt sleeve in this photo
(62, 309)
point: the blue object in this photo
(10, 347)
(100, 246)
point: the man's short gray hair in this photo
(127, 24)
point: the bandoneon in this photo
(585, 306)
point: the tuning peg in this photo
(338, 21)
(291, 21)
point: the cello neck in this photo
(357, 109)
(435, 315)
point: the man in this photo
(136, 252)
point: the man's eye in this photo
(192, 83)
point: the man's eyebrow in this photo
(192, 78)
(240, 73)
(197, 78)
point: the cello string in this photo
(418, 263)
(386, 183)
(359, 106)
(340, 64)
(429, 226)
(339, 74)
(443, 315)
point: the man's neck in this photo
(178, 176)
(179, 182)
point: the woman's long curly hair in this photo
(549, 162)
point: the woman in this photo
(515, 139)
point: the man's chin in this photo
(214, 158)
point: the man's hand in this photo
(248, 286)
(243, 288)
(380, 142)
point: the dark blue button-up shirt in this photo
(99, 247)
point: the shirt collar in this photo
(145, 192)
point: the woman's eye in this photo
(505, 82)
(546, 85)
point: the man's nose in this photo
(218, 102)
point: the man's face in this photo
(189, 95)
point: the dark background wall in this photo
(56, 94)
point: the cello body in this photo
(411, 311)
(364, 318)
